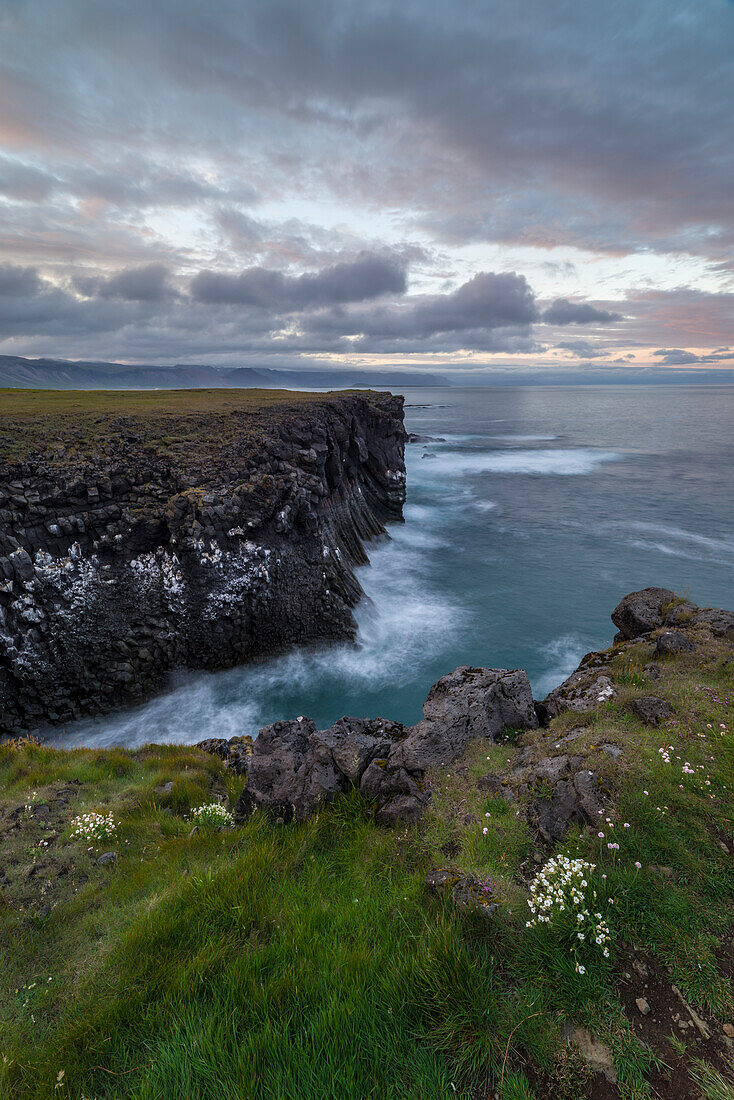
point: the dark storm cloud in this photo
(242, 313)
(463, 318)
(565, 312)
(364, 278)
(148, 283)
(16, 282)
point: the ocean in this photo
(538, 511)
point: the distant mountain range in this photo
(62, 374)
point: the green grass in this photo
(308, 962)
(713, 1085)
(70, 427)
(35, 403)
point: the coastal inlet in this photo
(141, 533)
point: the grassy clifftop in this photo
(68, 426)
(309, 962)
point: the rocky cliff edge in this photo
(143, 533)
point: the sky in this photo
(467, 187)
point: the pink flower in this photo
(638, 865)
(484, 830)
(600, 834)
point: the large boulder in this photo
(469, 703)
(295, 769)
(640, 612)
(276, 773)
(651, 709)
(672, 641)
(355, 742)
(718, 621)
(583, 690)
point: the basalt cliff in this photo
(143, 533)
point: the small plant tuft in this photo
(93, 826)
(212, 815)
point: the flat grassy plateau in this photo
(69, 427)
(308, 962)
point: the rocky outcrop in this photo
(133, 545)
(589, 686)
(235, 751)
(654, 615)
(466, 704)
(557, 791)
(672, 641)
(295, 768)
(651, 710)
(642, 612)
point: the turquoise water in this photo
(542, 508)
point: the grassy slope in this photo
(308, 962)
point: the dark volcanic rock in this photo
(651, 709)
(718, 621)
(235, 752)
(495, 787)
(121, 559)
(640, 612)
(637, 615)
(672, 641)
(584, 689)
(560, 791)
(295, 768)
(467, 704)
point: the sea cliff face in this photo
(134, 544)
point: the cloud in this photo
(682, 318)
(582, 349)
(17, 281)
(148, 283)
(495, 121)
(137, 139)
(267, 312)
(24, 182)
(677, 357)
(367, 277)
(565, 312)
(463, 318)
(674, 357)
